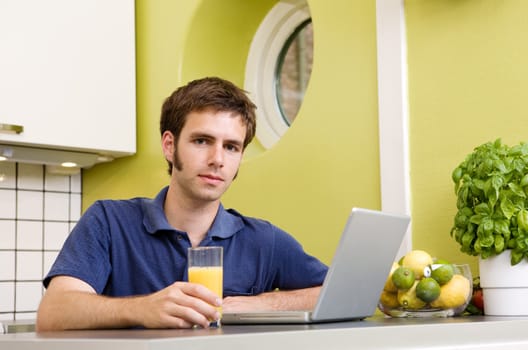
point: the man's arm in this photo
(299, 299)
(70, 303)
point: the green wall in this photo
(468, 84)
(325, 164)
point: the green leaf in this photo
(519, 165)
(516, 257)
(497, 143)
(522, 220)
(477, 247)
(502, 227)
(507, 207)
(476, 219)
(520, 244)
(487, 225)
(463, 195)
(517, 150)
(493, 197)
(456, 175)
(485, 168)
(496, 182)
(487, 242)
(467, 211)
(524, 181)
(480, 184)
(499, 165)
(517, 189)
(483, 209)
(456, 232)
(499, 244)
(467, 239)
(461, 220)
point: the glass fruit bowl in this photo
(447, 298)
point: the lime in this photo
(417, 260)
(454, 293)
(403, 278)
(409, 300)
(443, 273)
(428, 289)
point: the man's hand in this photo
(299, 299)
(181, 305)
(70, 303)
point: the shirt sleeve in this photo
(294, 267)
(85, 254)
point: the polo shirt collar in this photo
(225, 224)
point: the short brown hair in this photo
(213, 93)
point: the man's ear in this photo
(167, 145)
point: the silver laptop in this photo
(369, 244)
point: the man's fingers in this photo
(200, 292)
(194, 303)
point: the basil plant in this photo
(491, 185)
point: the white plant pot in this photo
(504, 287)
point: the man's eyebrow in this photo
(235, 142)
(200, 134)
(204, 135)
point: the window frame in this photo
(264, 54)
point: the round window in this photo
(294, 69)
(279, 67)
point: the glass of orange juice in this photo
(205, 266)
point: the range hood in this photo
(56, 161)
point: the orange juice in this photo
(209, 276)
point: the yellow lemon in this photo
(408, 299)
(417, 260)
(389, 286)
(454, 293)
(389, 300)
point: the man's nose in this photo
(217, 155)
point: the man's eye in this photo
(232, 148)
(200, 141)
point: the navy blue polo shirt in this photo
(127, 247)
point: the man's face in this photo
(208, 152)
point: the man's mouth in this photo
(211, 178)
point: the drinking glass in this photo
(206, 268)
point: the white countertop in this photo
(473, 332)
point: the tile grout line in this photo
(16, 242)
(43, 237)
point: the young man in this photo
(125, 264)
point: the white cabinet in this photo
(67, 75)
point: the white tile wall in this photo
(7, 234)
(7, 290)
(27, 236)
(55, 234)
(29, 204)
(8, 203)
(7, 261)
(56, 206)
(37, 212)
